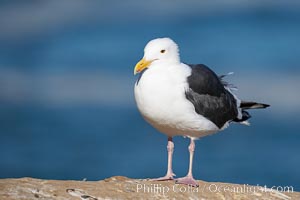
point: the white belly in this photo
(160, 97)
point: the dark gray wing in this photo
(209, 97)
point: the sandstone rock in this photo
(119, 187)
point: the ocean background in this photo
(67, 108)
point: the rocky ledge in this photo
(119, 187)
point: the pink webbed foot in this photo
(187, 180)
(167, 177)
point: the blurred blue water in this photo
(98, 142)
(94, 141)
(257, 39)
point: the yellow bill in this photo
(141, 65)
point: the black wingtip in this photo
(253, 105)
(266, 105)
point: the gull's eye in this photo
(162, 51)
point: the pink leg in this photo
(189, 179)
(170, 174)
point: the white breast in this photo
(160, 97)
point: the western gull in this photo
(187, 100)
